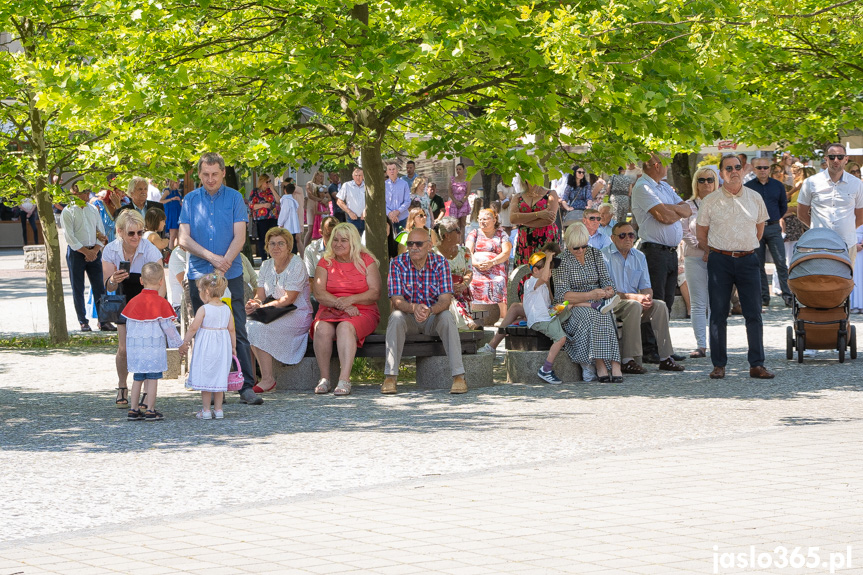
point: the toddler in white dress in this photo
(215, 346)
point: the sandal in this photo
(343, 388)
(202, 414)
(324, 386)
(604, 379)
(122, 400)
(616, 379)
(142, 404)
(698, 353)
(134, 415)
(259, 389)
(153, 415)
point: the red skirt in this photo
(364, 324)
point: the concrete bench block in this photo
(521, 367)
(678, 310)
(434, 372)
(35, 258)
(303, 376)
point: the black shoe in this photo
(250, 397)
(86, 327)
(153, 415)
(765, 303)
(789, 301)
(107, 326)
(134, 415)
(650, 358)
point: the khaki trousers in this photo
(441, 324)
(633, 315)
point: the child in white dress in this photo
(215, 344)
(149, 321)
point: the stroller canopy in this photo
(819, 273)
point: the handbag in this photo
(271, 313)
(111, 306)
(235, 378)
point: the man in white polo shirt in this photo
(352, 199)
(833, 199)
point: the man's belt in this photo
(659, 246)
(772, 222)
(732, 254)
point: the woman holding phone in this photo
(122, 261)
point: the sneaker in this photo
(204, 414)
(548, 376)
(609, 304)
(588, 373)
(486, 349)
(250, 397)
(219, 414)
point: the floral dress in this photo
(459, 267)
(531, 239)
(489, 286)
(458, 192)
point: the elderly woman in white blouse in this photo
(282, 281)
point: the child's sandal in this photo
(122, 400)
(134, 415)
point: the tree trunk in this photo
(57, 330)
(489, 187)
(376, 220)
(681, 175)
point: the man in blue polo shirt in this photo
(213, 231)
(772, 191)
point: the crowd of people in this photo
(591, 266)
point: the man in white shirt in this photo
(352, 199)
(85, 236)
(833, 199)
(658, 210)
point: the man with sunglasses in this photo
(658, 210)
(591, 220)
(772, 191)
(628, 269)
(729, 227)
(420, 291)
(833, 199)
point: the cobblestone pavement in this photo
(651, 476)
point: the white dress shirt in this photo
(80, 225)
(354, 197)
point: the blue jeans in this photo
(359, 224)
(772, 239)
(723, 273)
(78, 266)
(238, 309)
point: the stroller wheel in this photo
(801, 347)
(789, 342)
(841, 348)
(852, 343)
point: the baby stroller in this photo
(819, 276)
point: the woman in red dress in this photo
(535, 214)
(347, 285)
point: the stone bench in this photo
(433, 370)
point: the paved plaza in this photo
(665, 473)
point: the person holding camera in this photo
(122, 261)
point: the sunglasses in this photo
(578, 248)
(630, 235)
(736, 168)
(836, 156)
(580, 172)
(593, 219)
(415, 244)
(706, 180)
(762, 167)
(139, 233)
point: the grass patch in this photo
(76, 341)
(366, 370)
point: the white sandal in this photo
(208, 414)
(343, 388)
(324, 386)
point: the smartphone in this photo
(125, 266)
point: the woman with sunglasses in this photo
(128, 248)
(576, 196)
(694, 261)
(583, 280)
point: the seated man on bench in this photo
(420, 290)
(628, 269)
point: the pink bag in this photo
(235, 378)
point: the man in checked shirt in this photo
(420, 290)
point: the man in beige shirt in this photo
(729, 227)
